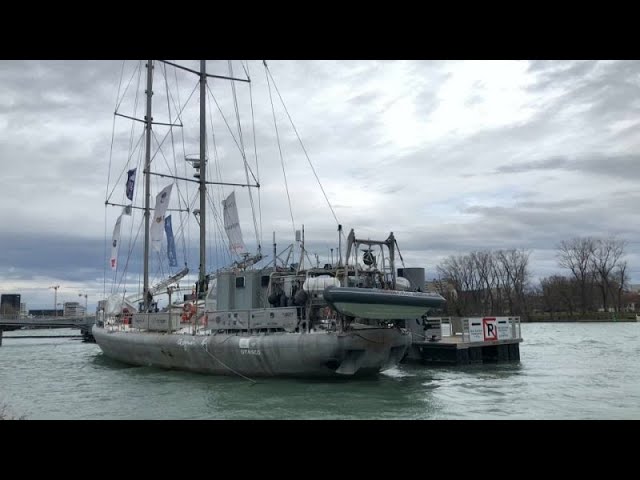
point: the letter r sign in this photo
(489, 328)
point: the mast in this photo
(203, 176)
(147, 184)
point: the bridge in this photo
(14, 322)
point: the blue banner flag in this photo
(131, 180)
(171, 245)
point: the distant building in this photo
(10, 303)
(73, 309)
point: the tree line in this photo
(499, 282)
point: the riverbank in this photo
(589, 317)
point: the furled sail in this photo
(232, 225)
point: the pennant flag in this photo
(157, 226)
(131, 180)
(115, 241)
(171, 245)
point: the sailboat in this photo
(251, 321)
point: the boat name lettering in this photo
(250, 351)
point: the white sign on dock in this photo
(504, 329)
(486, 329)
(475, 330)
(489, 328)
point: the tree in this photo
(621, 279)
(576, 255)
(605, 258)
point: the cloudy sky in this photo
(452, 156)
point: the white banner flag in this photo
(156, 231)
(115, 242)
(232, 225)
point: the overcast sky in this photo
(452, 156)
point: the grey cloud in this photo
(56, 154)
(550, 163)
(617, 166)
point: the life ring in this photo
(188, 311)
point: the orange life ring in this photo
(188, 311)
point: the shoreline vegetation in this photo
(577, 317)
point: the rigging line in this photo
(302, 145)
(119, 100)
(113, 131)
(115, 273)
(216, 158)
(216, 215)
(222, 246)
(169, 95)
(244, 156)
(173, 147)
(180, 196)
(104, 266)
(293, 225)
(183, 107)
(132, 240)
(230, 131)
(117, 182)
(255, 148)
(204, 345)
(135, 109)
(221, 195)
(126, 264)
(188, 234)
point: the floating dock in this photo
(462, 341)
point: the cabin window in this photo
(239, 282)
(264, 281)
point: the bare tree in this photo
(576, 255)
(606, 255)
(483, 262)
(621, 279)
(560, 293)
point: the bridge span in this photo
(13, 322)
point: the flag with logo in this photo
(171, 244)
(131, 180)
(115, 243)
(157, 225)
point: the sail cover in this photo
(156, 230)
(232, 225)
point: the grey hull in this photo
(358, 352)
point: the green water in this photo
(566, 371)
